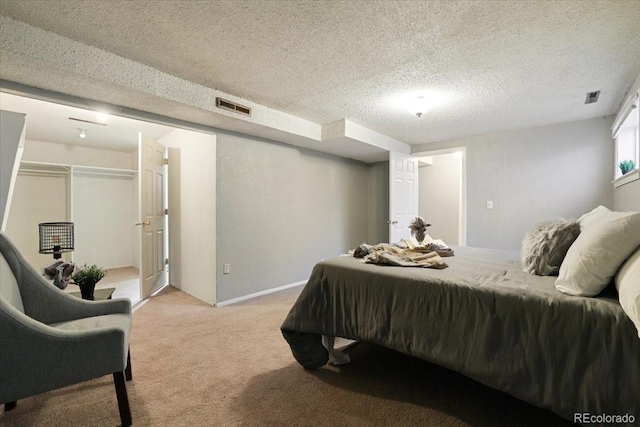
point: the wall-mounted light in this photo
(418, 106)
(83, 133)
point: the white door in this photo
(403, 195)
(151, 192)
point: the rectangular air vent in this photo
(232, 106)
(87, 121)
(592, 97)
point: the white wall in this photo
(627, 196)
(102, 212)
(48, 152)
(439, 187)
(12, 127)
(192, 212)
(36, 199)
(533, 174)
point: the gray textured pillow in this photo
(546, 244)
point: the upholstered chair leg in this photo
(127, 370)
(10, 405)
(123, 400)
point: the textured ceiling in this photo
(487, 65)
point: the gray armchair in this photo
(49, 339)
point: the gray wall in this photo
(627, 197)
(281, 209)
(533, 174)
(11, 127)
(378, 202)
(439, 197)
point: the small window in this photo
(627, 137)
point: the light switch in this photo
(489, 204)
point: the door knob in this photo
(144, 223)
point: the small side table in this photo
(98, 294)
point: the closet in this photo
(100, 201)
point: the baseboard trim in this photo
(259, 294)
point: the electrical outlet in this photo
(489, 204)
(226, 269)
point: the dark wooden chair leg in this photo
(127, 370)
(10, 405)
(123, 400)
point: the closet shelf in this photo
(57, 168)
(41, 167)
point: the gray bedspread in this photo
(484, 317)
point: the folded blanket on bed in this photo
(385, 254)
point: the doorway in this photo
(81, 166)
(442, 194)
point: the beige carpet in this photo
(195, 365)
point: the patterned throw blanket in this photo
(386, 254)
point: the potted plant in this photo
(626, 166)
(87, 278)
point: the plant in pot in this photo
(87, 278)
(626, 166)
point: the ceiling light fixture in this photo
(418, 106)
(102, 117)
(83, 133)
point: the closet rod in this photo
(123, 175)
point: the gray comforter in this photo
(483, 317)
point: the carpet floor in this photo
(197, 365)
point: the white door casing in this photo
(403, 195)
(151, 155)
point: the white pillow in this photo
(628, 284)
(595, 256)
(598, 212)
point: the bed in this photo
(483, 317)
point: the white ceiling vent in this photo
(232, 106)
(592, 97)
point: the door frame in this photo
(403, 210)
(157, 216)
(462, 223)
(118, 110)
